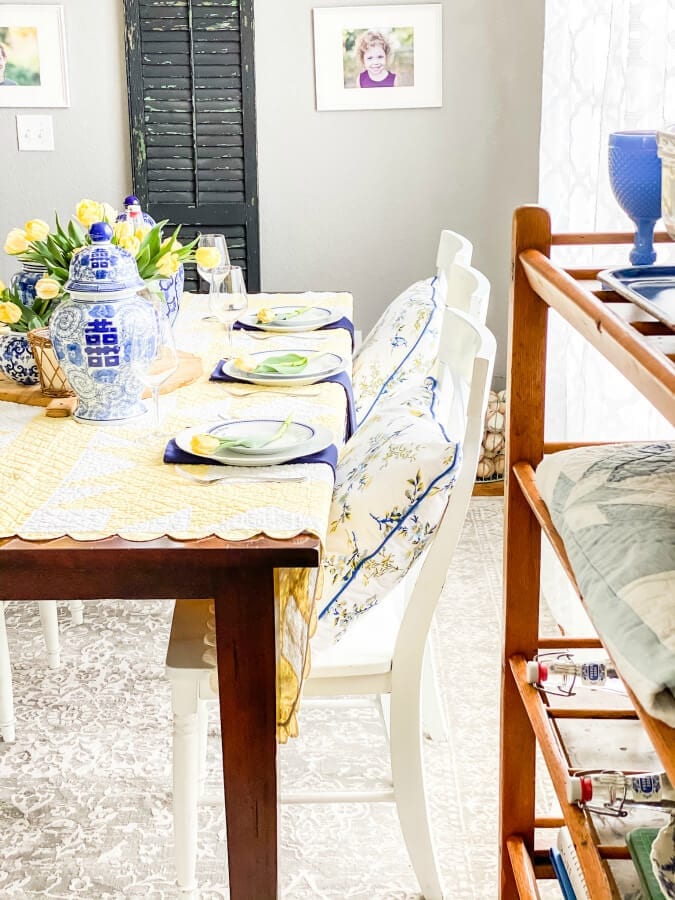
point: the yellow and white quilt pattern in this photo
(62, 478)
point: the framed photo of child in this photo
(378, 57)
(32, 55)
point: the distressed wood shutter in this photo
(192, 115)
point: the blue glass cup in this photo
(635, 178)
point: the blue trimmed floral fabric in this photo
(401, 349)
(614, 507)
(391, 488)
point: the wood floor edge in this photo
(488, 489)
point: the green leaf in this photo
(254, 443)
(286, 364)
(76, 234)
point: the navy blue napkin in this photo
(339, 378)
(174, 454)
(344, 322)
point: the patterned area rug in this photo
(85, 803)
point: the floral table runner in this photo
(63, 478)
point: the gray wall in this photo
(356, 200)
(348, 200)
(91, 137)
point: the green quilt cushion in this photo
(614, 507)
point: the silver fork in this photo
(215, 477)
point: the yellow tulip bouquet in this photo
(156, 257)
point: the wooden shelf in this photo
(643, 349)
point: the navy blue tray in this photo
(652, 288)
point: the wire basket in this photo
(53, 381)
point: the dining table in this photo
(99, 511)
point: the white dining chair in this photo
(453, 247)
(393, 666)
(50, 631)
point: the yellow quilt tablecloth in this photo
(62, 478)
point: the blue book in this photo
(561, 874)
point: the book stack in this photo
(567, 868)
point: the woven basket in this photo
(52, 377)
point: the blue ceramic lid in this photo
(102, 267)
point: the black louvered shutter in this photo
(192, 115)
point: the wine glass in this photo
(635, 179)
(220, 270)
(228, 299)
(159, 361)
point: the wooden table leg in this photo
(246, 647)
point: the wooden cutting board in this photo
(189, 369)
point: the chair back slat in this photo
(466, 362)
(452, 247)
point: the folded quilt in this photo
(614, 507)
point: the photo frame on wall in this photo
(378, 57)
(32, 56)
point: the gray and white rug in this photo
(85, 803)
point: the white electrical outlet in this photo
(35, 132)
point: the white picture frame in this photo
(350, 43)
(34, 41)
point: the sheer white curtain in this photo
(609, 65)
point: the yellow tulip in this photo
(207, 257)
(123, 230)
(89, 211)
(245, 363)
(266, 315)
(131, 244)
(36, 230)
(108, 213)
(47, 288)
(16, 242)
(168, 264)
(141, 231)
(204, 444)
(9, 312)
(172, 242)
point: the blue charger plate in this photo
(652, 288)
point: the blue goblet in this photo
(635, 178)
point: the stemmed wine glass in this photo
(228, 299)
(159, 362)
(216, 273)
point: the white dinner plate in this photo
(316, 317)
(296, 436)
(321, 439)
(322, 366)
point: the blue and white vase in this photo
(103, 333)
(16, 358)
(133, 212)
(24, 282)
(172, 289)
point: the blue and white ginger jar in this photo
(103, 334)
(24, 282)
(132, 210)
(171, 287)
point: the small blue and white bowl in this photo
(16, 358)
